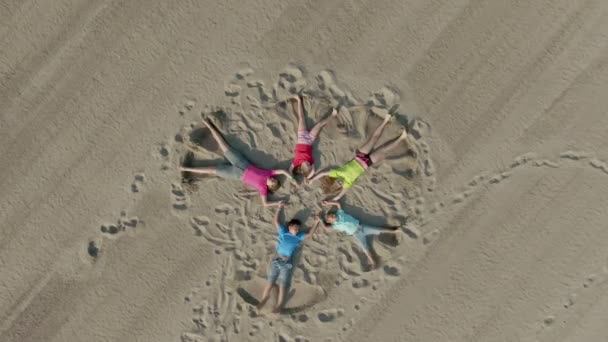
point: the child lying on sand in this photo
(281, 268)
(302, 159)
(343, 222)
(239, 168)
(338, 181)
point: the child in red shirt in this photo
(302, 157)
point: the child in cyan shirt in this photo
(343, 222)
(303, 163)
(239, 168)
(289, 240)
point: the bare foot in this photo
(276, 310)
(388, 118)
(403, 135)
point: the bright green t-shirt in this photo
(349, 173)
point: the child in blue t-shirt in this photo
(343, 222)
(289, 239)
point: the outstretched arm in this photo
(319, 175)
(342, 192)
(313, 230)
(286, 174)
(332, 203)
(268, 203)
(312, 172)
(277, 223)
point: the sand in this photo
(503, 207)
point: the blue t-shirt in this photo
(288, 242)
(345, 223)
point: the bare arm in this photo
(332, 203)
(312, 172)
(276, 222)
(268, 203)
(284, 173)
(313, 230)
(319, 175)
(342, 192)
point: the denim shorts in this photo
(236, 168)
(363, 232)
(280, 272)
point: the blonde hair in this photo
(299, 170)
(330, 185)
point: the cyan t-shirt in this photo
(345, 223)
(288, 242)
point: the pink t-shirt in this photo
(257, 177)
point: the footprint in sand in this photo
(164, 153)
(392, 270)
(430, 237)
(187, 106)
(122, 224)
(93, 248)
(179, 198)
(359, 283)
(328, 316)
(138, 180)
(199, 224)
(291, 81)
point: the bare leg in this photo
(391, 231)
(380, 154)
(202, 170)
(280, 299)
(370, 259)
(369, 144)
(316, 129)
(219, 138)
(298, 108)
(265, 296)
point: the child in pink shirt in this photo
(239, 168)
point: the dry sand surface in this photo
(503, 209)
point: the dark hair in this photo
(294, 221)
(276, 187)
(325, 223)
(296, 170)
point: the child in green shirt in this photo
(337, 181)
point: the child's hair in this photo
(294, 221)
(299, 170)
(330, 185)
(276, 186)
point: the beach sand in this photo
(502, 205)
